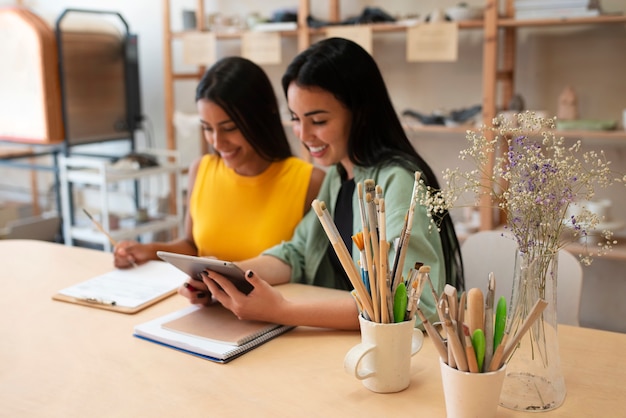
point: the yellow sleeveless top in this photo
(237, 217)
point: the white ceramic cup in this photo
(382, 361)
(471, 395)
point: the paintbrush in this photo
(405, 236)
(383, 274)
(343, 255)
(358, 241)
(369, 258)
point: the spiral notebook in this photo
(211, 332)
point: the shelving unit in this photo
(60, 59)
(102, 174)
(502, 29)
(499, 65)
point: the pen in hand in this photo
(100, 228)
(106, 234)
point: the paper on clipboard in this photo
(126, 289)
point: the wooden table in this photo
(64, 360)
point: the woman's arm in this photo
(127, 252)
(272, 269)
(265, 303)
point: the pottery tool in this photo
(454, 343)
(425, 270)
(498, 354)
(472, 363)
(461, 314)
(453, 304)
(451, 292)
(501, 335)
(434, 335)
(475, 309)
(442, 309)
(500, 325)
(478, 341)
(488, 327)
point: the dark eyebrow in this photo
(315, 112)
(219, 123)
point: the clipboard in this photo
(126, 290)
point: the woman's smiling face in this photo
(227, 140)
(322, 123)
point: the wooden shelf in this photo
(591, 135)
(499, 65)
(437, 129)
(228, 34)
(564, 21)
(376, 27)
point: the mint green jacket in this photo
(307, 250)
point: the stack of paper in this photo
(554, 9)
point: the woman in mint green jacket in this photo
(342, 113)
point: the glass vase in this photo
(534, 381)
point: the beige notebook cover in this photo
(218, 324)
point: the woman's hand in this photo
(130, 253)
(264, 303)
(196, 291)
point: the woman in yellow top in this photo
(251, 192)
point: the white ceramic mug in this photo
(471, 395)
(382, 361)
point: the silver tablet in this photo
(194, 265)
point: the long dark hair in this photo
(377, 137)
(244, 91)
